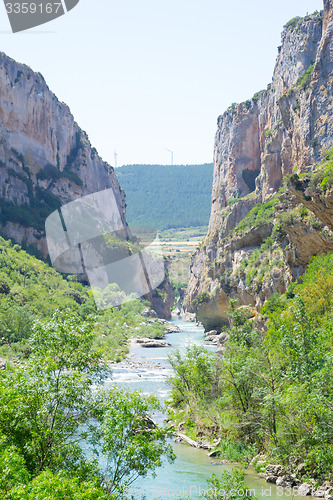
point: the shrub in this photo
(53, 173)
(305, 80)
(260, 215)
(258, 95)
(202, 297)
(323, 176)
(293, 23)
(230, 485)
(4, 286)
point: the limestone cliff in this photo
(281, 129)
(46, 160)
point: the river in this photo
(147, 370)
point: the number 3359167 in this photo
(33, 8)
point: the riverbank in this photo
(148, 370)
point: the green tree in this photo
(45, 404)
(131, 442)
(50, 407)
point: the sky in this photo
(144, 77)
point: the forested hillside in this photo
(164, 196)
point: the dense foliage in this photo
(55, 413)
(164, 196)
(271, 391)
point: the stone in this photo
(223, 337)
(211, 333)
(275, 470)
(320, 492)
(328, 492)
(285, 481)
(149, 343)
(173, 328)
(304, 489)
(270, 479)
(301, 469)
(148, 313)
(212, 340)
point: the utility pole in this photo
(115, 159)
(171, 155)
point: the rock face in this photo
(262, 139)
(163, 297)
(46, 160)
(257, 143)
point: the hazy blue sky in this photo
(142, 76)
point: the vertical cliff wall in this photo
(281, 129)
(46, 160)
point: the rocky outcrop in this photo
(281, 129)
(163, 297)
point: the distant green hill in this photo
(165, 196)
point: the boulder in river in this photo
(286, 481)
(173, 328)
(211, 339)
(211, 333)
(152, 343)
